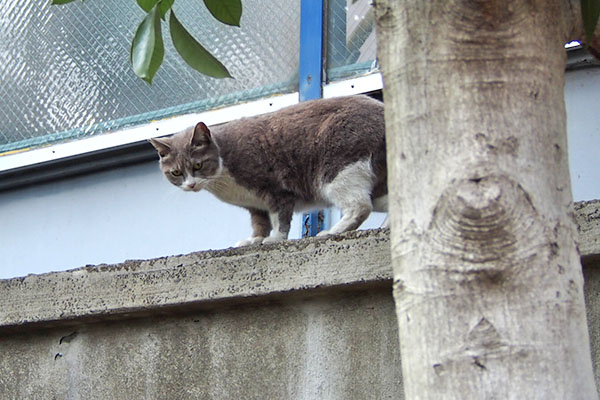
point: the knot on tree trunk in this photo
(480, 222)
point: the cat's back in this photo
(310, 125)
(298, 144)
(315, 119)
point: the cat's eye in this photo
(197, 166)
(176, 172)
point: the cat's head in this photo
(189, 159)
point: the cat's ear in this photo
(162, 146)
(201, 136)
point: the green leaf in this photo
(193, 53)
(61, 1)
(147, 5)
(164, 6)
(590, 11)
(227, 11)
(147, 50)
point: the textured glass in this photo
(351, 42)
(65, 72)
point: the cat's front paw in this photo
(324, 234)
(250, 241)
(274, 238)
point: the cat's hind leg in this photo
(261, 227)
(350, 191)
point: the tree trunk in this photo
(487, 275)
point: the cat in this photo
(313, 154)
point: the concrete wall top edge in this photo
(137, 286)
(587, 215)
(143, 286)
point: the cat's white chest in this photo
(226, 189)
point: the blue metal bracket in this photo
(311, 84)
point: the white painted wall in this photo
(109, 217)
(112, 216)
(133, 212)
(582, 97)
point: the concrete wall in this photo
(315, 348)
(309, 319)
(591, 273)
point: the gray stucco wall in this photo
(340, 346)
(591, 273)
(309, 319)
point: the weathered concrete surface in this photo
(310, 319)
(588, 221)
(341, 346)
(195, 279)
(591, 273)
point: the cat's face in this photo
(189, 159)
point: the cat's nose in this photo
(191, 185)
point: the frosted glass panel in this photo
(65, 73)
(351, 41)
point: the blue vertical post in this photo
(311, 49)
(311, 77)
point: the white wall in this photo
(109, 217)
(112, 216)
(582, 97)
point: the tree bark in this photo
(487, 276)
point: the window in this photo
(351, 41)
(65, 70)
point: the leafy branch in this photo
(590, 11)
(147, 48)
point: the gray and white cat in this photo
(314, 154)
